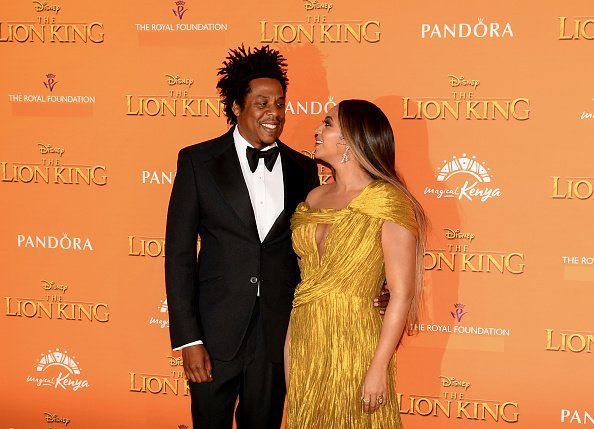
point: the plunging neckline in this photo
(322, 246)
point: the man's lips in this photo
(269, 126)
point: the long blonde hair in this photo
(369, 133)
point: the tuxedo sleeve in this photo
(180, 255)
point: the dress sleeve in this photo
(387, 202)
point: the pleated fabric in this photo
(334, 326)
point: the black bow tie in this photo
(254, 155)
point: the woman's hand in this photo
(375, 388)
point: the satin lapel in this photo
(291, 177)
(227, 173)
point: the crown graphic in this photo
(50, 75)
(464, 165)
(57, 358)
(180, 2)
(182, 427)
(459, 305)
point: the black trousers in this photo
(250, 376)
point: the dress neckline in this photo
(331, 209)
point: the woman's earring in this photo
(345, 155)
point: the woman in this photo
(352, 235)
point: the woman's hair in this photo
(368, 132)
(240, 67)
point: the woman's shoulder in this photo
(383, 191)
(386, 201)
(316, 195)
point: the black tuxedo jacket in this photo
(211, 297)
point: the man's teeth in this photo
(269, 126)
(318, 141)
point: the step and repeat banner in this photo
(493, 109)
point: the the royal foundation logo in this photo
(177, 101)
(465, 104)
(458, 313)
(58, 370)
(320, 27)
(45, 27)
(577, 417)
(464, 178)
(455, 402)
(457, 327)
(160, 384)
(572, 188)
(480, 29)
(569, 341)
(50, 83)
(160, 318)
(576, 28)
(184, 20)
(459, 257)
(53, 306)
(52, 170)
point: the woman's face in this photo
(329, 143)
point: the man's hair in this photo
(240, 67)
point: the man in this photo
(237, 192)
(229, 312)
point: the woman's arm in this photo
(399, 248)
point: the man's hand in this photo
(197, 364)
(381, 302)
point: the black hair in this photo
(240, 67)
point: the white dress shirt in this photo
(266, 190)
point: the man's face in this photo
(262, 116)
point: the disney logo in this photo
(456, 81)
(175, 361)
(45, 149)
(44, 7)
(456, 234)
(51, 285)
(452, 382)
(315, 4)
(177, 80)
(54, 418)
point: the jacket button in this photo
(254, 280)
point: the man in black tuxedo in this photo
(229, 309)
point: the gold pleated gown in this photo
(334, 326)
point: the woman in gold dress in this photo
(350, 236)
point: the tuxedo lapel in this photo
(227, 173)
(291, 176)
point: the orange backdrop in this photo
(492, 106)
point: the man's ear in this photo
(235, 108)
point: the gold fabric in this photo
(334, 326)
